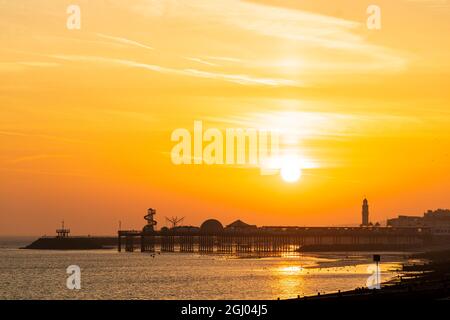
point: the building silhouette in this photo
(438, 221)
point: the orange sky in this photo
(86, 115)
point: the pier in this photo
(272, 239)
(240, 237)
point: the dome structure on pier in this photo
(211, 226)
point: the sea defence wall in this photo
(73, 243)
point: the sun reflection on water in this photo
(293, 280)
(291, 270)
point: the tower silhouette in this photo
(365, 213)
(151, 222)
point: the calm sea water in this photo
(107, 274)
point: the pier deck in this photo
(274, 239)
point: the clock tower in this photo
(365, 213)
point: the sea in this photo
(108, 274)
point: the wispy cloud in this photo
(125, 41)
(201, 61)
(38, 135)
(25, 65)
(242, 79)
(430, 2)
(47, 173)
(299, 30)
(314, 125)
(227, 59)
(38, 157)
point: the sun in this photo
(290, 170)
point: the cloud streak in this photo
(300, 30)
(125, 41)
(242, 79)
(25, 65)
(38, 157)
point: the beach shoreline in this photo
(427, 278)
